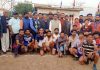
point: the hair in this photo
(81, 15)
(21, 30)
(73, 31)
(96, 33)
(86, 20)
(90, 35)
(89, 14)
(27, 29)
(48, 31)
(56, 29)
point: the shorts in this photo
(61, 48)
(79, 55)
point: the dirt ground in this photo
(37, 62)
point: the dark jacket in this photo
(66, 27)
(4, 24)
(0, 28)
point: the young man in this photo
(48, 43)
(61, 44)
(28, 40)
(19, 43)
(89, 52)
(39, 40)
(76, 48)
(56, 35)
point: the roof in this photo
(42, 6)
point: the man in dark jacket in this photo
(66, 26)
(5, 31)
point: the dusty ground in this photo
(37, 62)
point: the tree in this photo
(23, 7)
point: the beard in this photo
(26, 17)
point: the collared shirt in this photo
(15, 24)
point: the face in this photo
(62, 35)
(62, 15)
(76, 20)
(20, 16)
(30, 14)
(49, 34)
(35, 16)
(15, 16)
(55, 17)
(5, 13)
(44, 17)
(56, 31)
(74, 33)
(81, 36)
(21, 33)
(74, 27)
(97, 18)
(27, 32)
(90, 17)
(81, 17)
(86, 22)
(41, 31)
(90, 38)
(66, 17)
(40, 16)
(96, 36)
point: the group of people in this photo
(53, 34)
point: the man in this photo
(19, 43)
(48, 43)
(81, 19)
(26, 21)
(61, 44)
(66, 26)
(5, 31)
(55, 23)
(14, 26)
(96, 24)
(89, 52)
(62, 19)
(90, 18)
(21, 21)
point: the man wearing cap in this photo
(14, 26)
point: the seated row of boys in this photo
(83, 46)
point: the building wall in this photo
(75, 13)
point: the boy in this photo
(19, 44)
(39, 39)
(89, 52)
(28, 40)
(48, 43)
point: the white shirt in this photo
(15, 24)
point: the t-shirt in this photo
(39, 37)
(28, 39)
(15, 24)
(55, 37)
(47, 41)
(20, 38)
(88, 47)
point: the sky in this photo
(89, 6)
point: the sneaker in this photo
(87, 62)
(94, 67)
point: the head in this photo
(90, 38)
(97, 18)
(86, 21)
(35, 16)
(81, 17)
(55, 17)
(81, 36)
(20, 16)
(41, 31)
(56, 31)
(45, 17)
(96, 35)
(62, 15)
(73, 32)
(15, 15)
(26, 15)
(50, 15)
(74, 27)
(76, 20)
(5, 13)
(49, 34)
(86, 33)
(21, 32)
(62, 35)
(66, 17)
(27, 32)
(30, 14)
(89, 16)
(40, 15)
